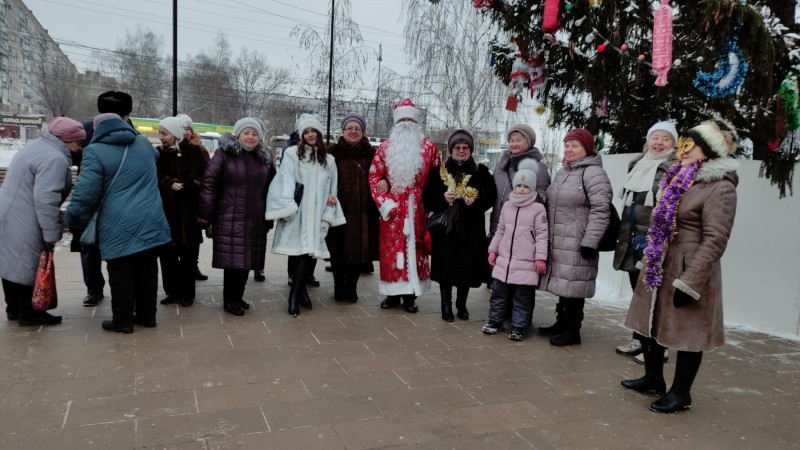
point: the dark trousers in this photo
(178, 267)
(134, 286)
(520, 296)
(233, 283)
(18, 298)
(291, 266)
(92, 269)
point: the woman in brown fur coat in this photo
(678, 300)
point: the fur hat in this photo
(405, 110)
(716, 137)
(357, 118)
(248, 122)
(584, 137)
(115, 102)
(525, 130)
(526, 174)
(306, 121)
(67, 130)
(460, 135)
(174, 126)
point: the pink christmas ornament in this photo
(550, 16)
(662, 42)
(624, 47)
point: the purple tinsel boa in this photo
(662, 230)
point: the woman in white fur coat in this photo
(303, 224)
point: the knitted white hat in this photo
(526, 174)
(667, 126)
(248, 122)
(306, 121)
(174, 126)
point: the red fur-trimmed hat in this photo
(406, 110)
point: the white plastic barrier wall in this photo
(761, 266)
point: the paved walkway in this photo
(355, 376)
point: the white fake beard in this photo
(404, 155)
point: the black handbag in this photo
(438, 221)
(298, 192)
(609, 241)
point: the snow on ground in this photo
(9, 148)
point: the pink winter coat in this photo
(520, 240)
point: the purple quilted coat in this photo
(233, 200)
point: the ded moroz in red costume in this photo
(404, 160)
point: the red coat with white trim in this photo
(398, 211)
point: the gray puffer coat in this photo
(38, 181)
(574, 223)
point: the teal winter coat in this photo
(132, 217)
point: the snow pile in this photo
(9, 148)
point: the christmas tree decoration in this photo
(482, 3)
(595, 3)
(789, 96)
(550, 16)
(602, 108)
(540, 109)
(648, 43)
(731, 69)
(662, 42)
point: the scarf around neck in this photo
(521, 201)
(641, 177)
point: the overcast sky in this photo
(262, 25)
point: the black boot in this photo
(298, 296)
(410, 303)
(447, 303)
(572, 324)
(558, 327)
(352, 275)
(233, 307)
(679, 396)
(653, 379)
(461, 302)
(390, 302)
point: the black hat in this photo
(115, 102)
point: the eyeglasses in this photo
(352, 130)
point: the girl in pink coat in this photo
(518, 253)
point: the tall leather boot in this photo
(558, 327)
(653, 379)
(302, 273)
(678, 398)
(447, 302)
(461, 302)
(572, 324)
(296, 294)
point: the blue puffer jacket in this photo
(132, 218)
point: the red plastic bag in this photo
(45, 296)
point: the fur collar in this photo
(231, 146)
(716, 169)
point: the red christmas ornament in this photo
(641, 57)
(550, 16)
(601, 48)
(482, 3)
(511, 103)
(662, 42)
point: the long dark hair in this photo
(318, 152)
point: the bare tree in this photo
(207, 91)
(349, 59)
(58, 88)
(255, 80)
(141, 70)
(282, 115)
(448, 44)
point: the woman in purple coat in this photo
(233, 200)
